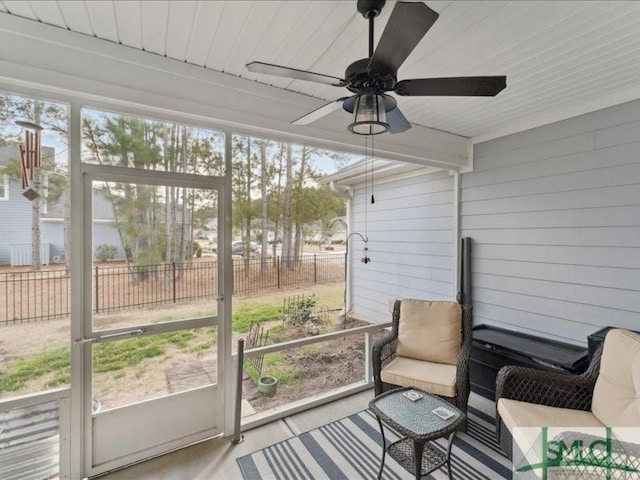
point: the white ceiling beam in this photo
(52, 58)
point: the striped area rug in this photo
(350, 449)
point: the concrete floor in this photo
(216, 459)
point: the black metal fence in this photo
(31, 296)
(116, 288)
(252, 275)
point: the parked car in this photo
(238, 247)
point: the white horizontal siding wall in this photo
(554, 213)
(411, 231)
(15, 215)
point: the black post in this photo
(173, 267)
(237, 434)
(464, 295)
(344, 295)
(467, 287)
(97, 304)
(278, 270)
(315, 269)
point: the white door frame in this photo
(199, 403)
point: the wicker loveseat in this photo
(428, 347)
(606, 394)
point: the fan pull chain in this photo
(365, 252)
(373, 200)
(366, 180)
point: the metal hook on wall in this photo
(365, 258)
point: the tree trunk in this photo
(66, 201)
(172, 200)
(36, 263)
(276, 230)
(299, 240)
(286, 222)
(247, 236)
(263, 188)
(167, 210)
(183, 209)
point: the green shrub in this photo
(302, 311)
(194, 250)
(106, 252)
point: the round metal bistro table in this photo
(419, 425)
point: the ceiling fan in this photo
(375, 111)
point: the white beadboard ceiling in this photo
(559, 56)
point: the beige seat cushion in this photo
(436, 378)
(430, 331)
(616, 396)
(522, 414)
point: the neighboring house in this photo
(319, 233)
(16, 211)
(313, 232)
(554, 217)
(105, 231)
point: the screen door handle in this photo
(112, 336)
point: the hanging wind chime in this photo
(30, 158)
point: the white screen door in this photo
(152, 293)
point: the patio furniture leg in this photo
(418, 449)
(384, 447)
(451, 437)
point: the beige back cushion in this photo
(430, 331)
(616, 397)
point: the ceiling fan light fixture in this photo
(370, 79)
(369, 116)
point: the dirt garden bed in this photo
(313, 369)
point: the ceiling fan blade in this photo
(318, 113)
(452, 86)
(408, 23)
(397, 121)
(277, 70)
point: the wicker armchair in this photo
(604, 395)
(385, 351)
(544, 388)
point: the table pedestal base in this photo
(403, 452)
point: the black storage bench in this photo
(494, 348)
